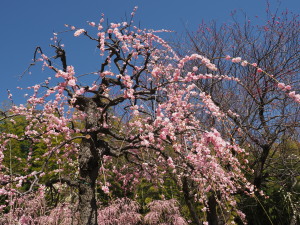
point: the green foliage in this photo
(281, 188)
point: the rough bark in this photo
(88, 170)
(89, 166)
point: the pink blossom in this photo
(92, 24)
(80, 91)
(114, 25)
(94, 87)
(288, 87)
(170, 162)
(79, 32)
(292, 94)
(105, 189)
(244, 63)
(236, 60)
(297, 98)
(281, 85)
(72, 82)
(259, 70)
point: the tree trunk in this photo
(259, 172)
(189, 201)
(88, 165)
(88, 170)
(212, 215)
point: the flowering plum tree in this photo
(142, 104)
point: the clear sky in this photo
(26, 24)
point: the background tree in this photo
(263, 117)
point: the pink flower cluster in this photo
(79, 32)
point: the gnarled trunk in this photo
(89, 165)
(88, 170)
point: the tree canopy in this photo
(148, 120)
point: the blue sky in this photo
(26, 24)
